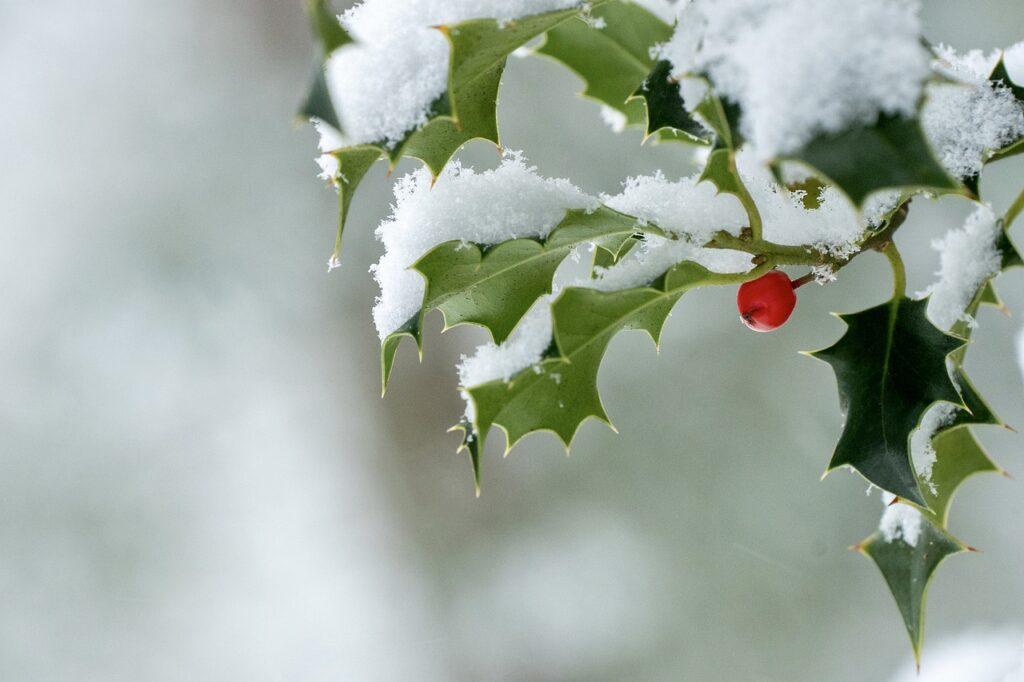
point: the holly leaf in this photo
(495, 286)
(326, 27)
(318, 103)
(413, 329)
(612, 60)
(892, 152)
(330, 35)
(908, 570)
(606, 255)
(560, 393)
(666, 113)
(958, 456)
(468, 108)
(353, 164)
(471, 445)
(890, 366)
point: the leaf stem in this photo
(899, 272)
(1015, 210)
(743, 194)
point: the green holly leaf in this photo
(723, 117)
(607, 255)
(612, 60)
(468, 109)
(958, 456)
(495, 286)
(560, 393)
(893, 152)
(721, 171)
(908, 570)
(666, 114)
(413, 329)
(326, 27)
(330, 35)
(318, 103)
(890, 366)
(471, 444)
(353, 164)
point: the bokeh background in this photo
(199, 481)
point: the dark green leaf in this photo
(318, 103)
(908, 570)
(890, 153)
(890, 366)
(662, 98)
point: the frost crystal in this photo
(879, 205)
(922, 451)
(385, 83)
(899, 521)
(969, 256)
(966, 121)
(864, 58)
(508, 202)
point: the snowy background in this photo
(198, 480)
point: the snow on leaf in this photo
(494, 287)
(464, 110)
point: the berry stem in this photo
(800, 281)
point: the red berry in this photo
(766, 302)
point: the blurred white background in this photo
(198, 480)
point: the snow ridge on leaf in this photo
(495, 286)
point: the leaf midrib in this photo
(544, 253)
